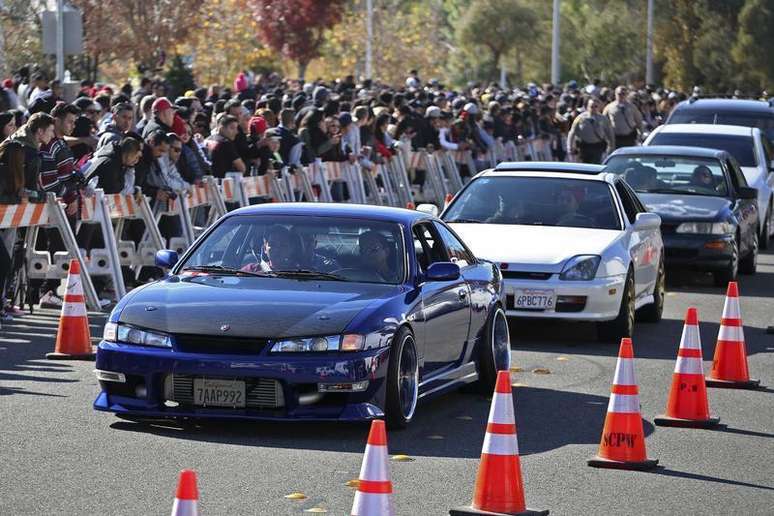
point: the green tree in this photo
(752, 50)
(179, 77)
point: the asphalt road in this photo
(58, 456)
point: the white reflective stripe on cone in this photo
(501, 410)
(184, 508)
(624, 372)
(624, 403)
(731, 308)
(74, 310)
(691, 338)
(731, 333)
(375, 465)
(372, 504)
(500, 444)
(689, 365)
(74, 286)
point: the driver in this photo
(702, 177)
(281, 251)
(375, 255)
(569, 199)
(482, 206)
(642, 177)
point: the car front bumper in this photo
(158, 383)
(595, 300)
(698, 252)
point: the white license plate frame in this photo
(534, 299)
(218, 392)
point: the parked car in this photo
(572, 242)
(751, 150)
(306, 311)
(709, 215)
(744, 112)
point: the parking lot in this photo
(59, 456)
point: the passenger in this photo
(281, 251)
(642, 178)
(702, 177)
(376, 255)
(569, 199)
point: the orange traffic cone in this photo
(73, 340)
(729, 366)
(499, 487)
(409, 205)
(187, 496)
(447, 201)
(374, 489)
(687, 405)
(623, 439)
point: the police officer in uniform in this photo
(591, 134)
(625, 118)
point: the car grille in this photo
(260, 393)
(216, 344)
(527, 275)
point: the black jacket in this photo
(106, 165)
(154, 124)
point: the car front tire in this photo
(402, 380)
(652, 313)
(495, 352)
(623, 325)
(722, 278)
(749, 264)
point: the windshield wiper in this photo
(464, 221)
(219, 269)
(307, 273)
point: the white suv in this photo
(748, 145)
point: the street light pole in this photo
(60, 54)
(555, 46)
(649, 49)
(369, 70)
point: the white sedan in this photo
(748, 145)
(572, 243)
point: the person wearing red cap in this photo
(10, 100)
(163, 117)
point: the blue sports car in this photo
(308, 312)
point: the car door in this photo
(445, 304)
(644, 247)
(745, 210)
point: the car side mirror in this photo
(442, 271)
(746, 192)
(166, 259)
(432, 209)
(647, 221)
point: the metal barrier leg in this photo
(109, 237)
(184, 214)
(57, 215)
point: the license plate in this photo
(210, 392)
(533, 299)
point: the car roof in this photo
(359, 211)
(729, 130)
(548, 166)
(671, 150)
(726, 105)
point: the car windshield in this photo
(303, 247)
(740, 147)
(763, 121)
(670, 174)
(536, 201)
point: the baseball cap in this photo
(161, 104)
(470, 108)
(432, 112)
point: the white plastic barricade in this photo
(329, 172)
(450, 171)
(216, 196)
(35, 215)
(396, 168)
(374, 195)
(434, 179)
(382, 174)
(466, 158)
(297, 185)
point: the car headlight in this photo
(581, 268)
(347, 342)
(124, 333)
(706, 228)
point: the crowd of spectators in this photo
(147, 137)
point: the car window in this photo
(767, 151)
(737, 176)
(428, 246)
(455, 249)
(635, 200)
(763, 121)
(535, 201)
(629, 206)
(652, 173)
(740, 147)
(353, 249)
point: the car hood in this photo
(533, 248)
(676, 207)
(251, 307)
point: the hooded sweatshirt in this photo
(32, 161)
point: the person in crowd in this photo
(122, 122)
(223, 151)
(625, 118)
(313, 133)
(145, 115)
(7, 125)
(112, 167)
(291, 147)
(163, 117)
(591, 134)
